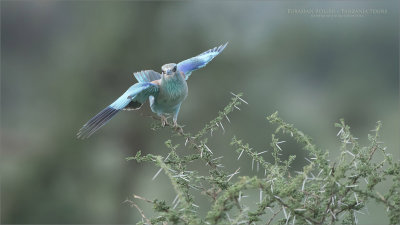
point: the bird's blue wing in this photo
(137, 93)
(189, 65)
(147, 76)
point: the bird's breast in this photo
(172, 92)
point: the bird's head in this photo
(169, 69)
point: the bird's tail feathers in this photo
(97, 122)
(103, 117)
(130, 99)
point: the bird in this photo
(165, 91)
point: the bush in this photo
(324, 192)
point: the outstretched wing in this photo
(147, 76)
(189, 65)
(136, 94)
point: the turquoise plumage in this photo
(165, 91)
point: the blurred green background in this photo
(64, 61)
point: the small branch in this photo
(139, 209)
(295, 212)
(188, 140)
(142, 198)
(178, 191)
(273, 216)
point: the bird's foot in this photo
(163, 121)
(178, 127)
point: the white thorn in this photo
(355, 217)
(229, 218)
(340, 131)
(176, 204)
(320, 172)
(158, 172)
(239, 98)
(284, 212)
(233, 174)
(208, 149)
(355, 196)
(227, 118)
(240, 154)
(350, 153)
(195, 188)
(300, 210)
(217, 158)
(176, 198)
(166, 158)
(333, 215)
(261, 152)
(360, 212)
(287, 220)
(223, 129)
(304, 183)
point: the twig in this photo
(140, 211)
(273, 216)
(142, 198)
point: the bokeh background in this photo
(64, 61)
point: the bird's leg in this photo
(163, 120)
(177, 126)
(175, 118)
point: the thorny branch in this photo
(324, 192)
(132, 204)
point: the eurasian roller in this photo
(165, 91)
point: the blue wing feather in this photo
(138, 92)
(189, 65)
(147, 76)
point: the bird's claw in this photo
(163, 121)
(178, 127)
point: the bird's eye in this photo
(174, 69)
